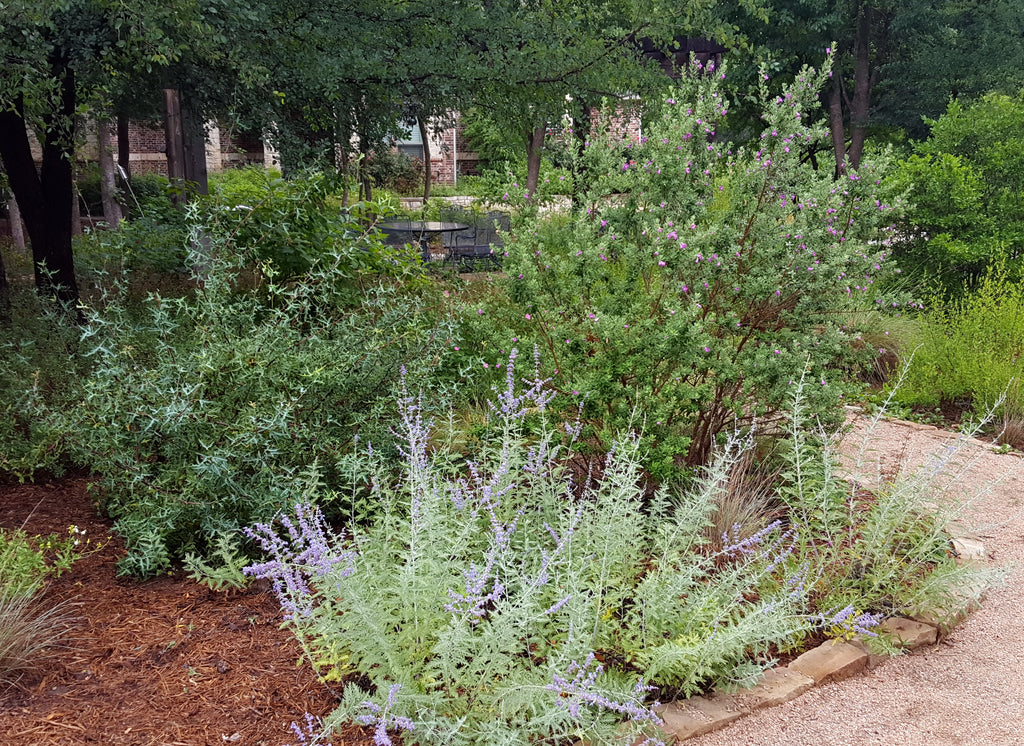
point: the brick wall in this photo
(147, 147)
(450, 155)
(622, 125)
(468, 161)
(240, 149)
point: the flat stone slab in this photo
(776, 687)
(831, 661)
(907, 633)
(689, 718)
(968, 549)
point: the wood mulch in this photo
(163, 662)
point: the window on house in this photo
(411, 144)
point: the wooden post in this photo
(193, 137)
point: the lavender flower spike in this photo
(580, 690)
(384, 719)
(308, 550)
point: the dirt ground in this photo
(164, 662)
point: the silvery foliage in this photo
(508, 600)
(206, 412)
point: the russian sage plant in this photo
(876, 545)
(506, 600)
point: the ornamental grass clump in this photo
(30, 629)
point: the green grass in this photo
(971, 348)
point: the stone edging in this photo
(831, 661)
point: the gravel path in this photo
(966, 691)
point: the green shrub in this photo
(966, 184)
(504, 602)
(87, 182)
(26, 562)
(291, 223)
(150, 195)
(700, 280)
(148, 244)
(39, 371)
(393, 169)
(196, 405)
(243, 186)
(969, 348)
(23, 568)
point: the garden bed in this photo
(166, 661)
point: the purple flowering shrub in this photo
(509, 601)
(700, 278)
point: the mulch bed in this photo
(165, 661)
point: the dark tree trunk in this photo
(175, 145)
(5, 296)
(108, 181)
(45, 197)
(427, 174)
(835, 122)
(581, 125)
(861, 101)
(76, 206)
(365, 183)
(534, 143)
(59, 195)
(124, 146)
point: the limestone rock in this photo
(688, 718)
(831, 661)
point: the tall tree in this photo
(57, 55)
(894, 62)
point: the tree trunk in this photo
(175, 145)
(861, 101)
(76, 207)
(534, 143)
(343, 145)
(108, 181)
(57, 180)
(365, 183)
(5, 295)
(45, 197)
(835, 121)
(124, 146)
(193, 139)
(344, 176)
(427, 175)
(17, 227)
(581, 125)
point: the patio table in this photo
(423, 230)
